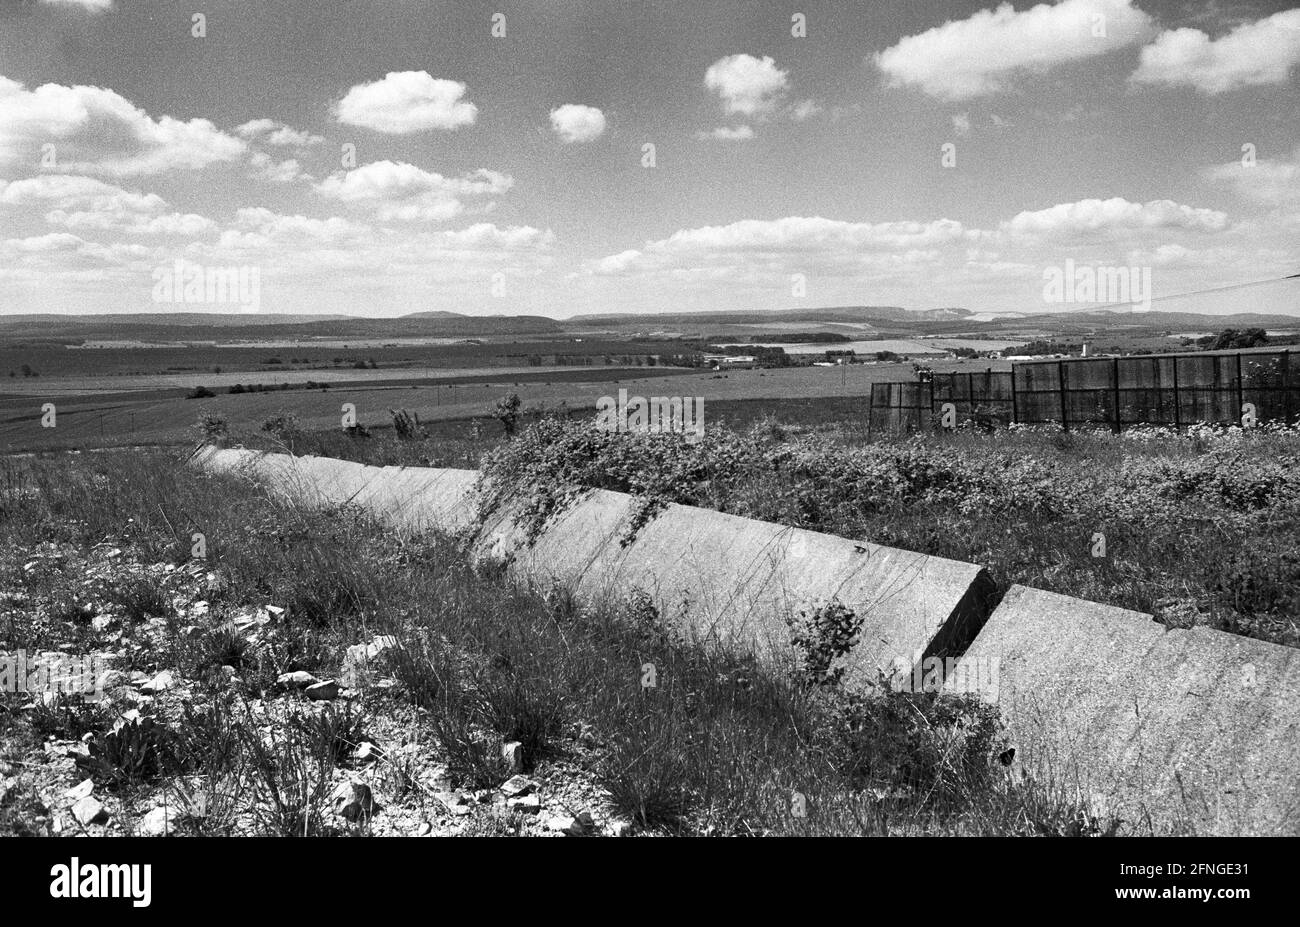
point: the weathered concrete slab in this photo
(334, 482)
(311, 480)
(1194, 729)
(737, 579)
(418, 499)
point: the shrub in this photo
(507, 413)
(213, 427)
(407, 426)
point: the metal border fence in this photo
(1115, 392)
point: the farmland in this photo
(110, 402)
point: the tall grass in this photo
(718, 744)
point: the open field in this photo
(92, 413)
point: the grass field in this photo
(92, 414)
(97, 552)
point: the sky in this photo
(591, 156)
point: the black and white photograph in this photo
(649, 419)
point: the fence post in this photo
(1286, 387)
(1015, 413)
(1114, 372)
(1060, 383)
(1178, 412)
(1240, 397)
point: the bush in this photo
(213, 427)
(507, 413)
(200, 392)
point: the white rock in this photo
(323, 691)
(88, 810)
(157, 823)
(353, 800)
(513, 756)
(516, 786)
(159, 684)
(298, 679)
(80, 790)
(564, 824)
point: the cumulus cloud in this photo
(97, 131)
(270, 132)
(88, 204)
(573, 122)
(921, 256)
(796, 241)
(404, 102)
(1114, 214)
(264, 167)
(400, 191)
(984, 53)
(1268, 181)
(727, 134)
(1262, 52)
(93, 6)
(747, 85)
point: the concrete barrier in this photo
(1186, 730)
(1197, 729)
(418, 499)
(737, 580)
(726, 578)
(410, 498)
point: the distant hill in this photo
(862, 321)
(213, 327)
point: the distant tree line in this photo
(1232, 339)
(263, 388)
(1035, 348)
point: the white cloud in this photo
(1115, 214)
(404, 192)
(404, 102)
(270, 132)
(984, 53)
(747, 85)
(727, 134)
(573, 122)
(267, 168)
(87, 204)
(96, 131)
(93, 6)
(757, 256)
(792, 242)
(1269, 182)
(804, 110)
(1262, 52)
